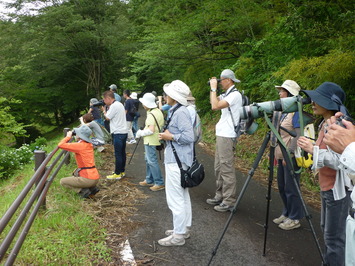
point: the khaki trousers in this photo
(224, 170)
(76, 183)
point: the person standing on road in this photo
(113, 88)
(118, 128)
(95, 111)
(292, 211)
(150, 134)
(86, 176)
(226, 140)
(178, 134)
(328, 99)
(136, 115)
(130, 108)
(342, 141)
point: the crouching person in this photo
(86, 176)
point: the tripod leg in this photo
(250, 175)
(134, 150)
(268, 197)
(307, 215)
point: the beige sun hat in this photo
(178, 91)
(291, 86)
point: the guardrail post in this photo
(40, 156)
(67, 161)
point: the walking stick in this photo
(134, 150)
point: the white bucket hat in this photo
(178, 91)
(291, 86)
(83, 132)
(148, 100)
(134, 95)
(229, 74)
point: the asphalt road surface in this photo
(243, 242)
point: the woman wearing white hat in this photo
(178, 133)
(150, 134)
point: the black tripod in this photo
(275, 137)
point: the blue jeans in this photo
(119, 144)
(333, 221)
(153, 172)
(293, 208)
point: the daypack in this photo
(242, 126)
(305, 161)
(197, 129)
(107, 135)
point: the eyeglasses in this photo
(223, 79)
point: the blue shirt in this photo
(181, 127)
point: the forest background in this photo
(53, 62)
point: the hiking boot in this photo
(171, 232)
(116, 177)
(222, 207)
(94, 190)
(84, 193)
(280, 219)
(289, 224)
(145, 184)
(157, 187)
(172, 240)
(214, 201)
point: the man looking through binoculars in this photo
(226, 139)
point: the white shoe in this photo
(172, 240)
(280, 219)
(132, 141)
(290, 224)
(171, 232)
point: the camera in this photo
(218, 81)
(99, 103)
(345, 117)
(73, 133)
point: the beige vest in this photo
(286, 122)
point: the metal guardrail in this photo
(41, 180)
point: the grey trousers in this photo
(76, 183)
(224, 170)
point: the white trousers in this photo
(178, 198)
(350, 241)
(130, 132)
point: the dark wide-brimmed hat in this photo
(328, 95)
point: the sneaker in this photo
(280, 219)
(100, 149)
(223, 207)
(171, 232)
(145, 184)
(157, 187)
(214, 201)
(172, 240)
(115, 176)
(132, 141)
(289, 224)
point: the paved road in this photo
(243, 242)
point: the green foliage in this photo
(13, 159)
(8, 123)
(39, 144)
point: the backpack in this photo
(107, 135)
(305, 161)
(197, 129)
(133, 110)
(243, 124)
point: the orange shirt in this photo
(84, 156)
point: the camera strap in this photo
(236, 128)
(171, 115)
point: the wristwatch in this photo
(213, 90)
(172, 138)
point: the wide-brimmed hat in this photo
(178, 91)
(134, 95)
(291, 86)
(148, 100)
(190, 97)
(328, 95)
(229, 74)
(83, 132)
(94, 101)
